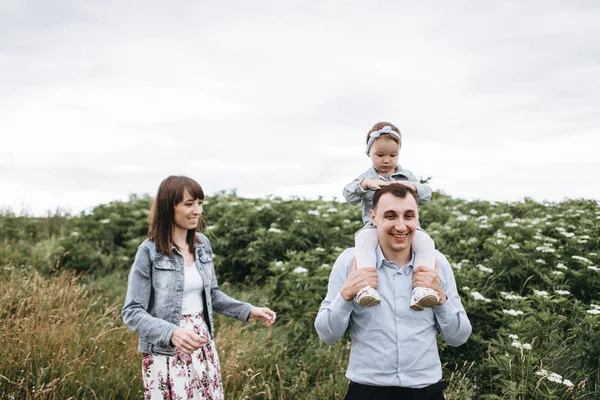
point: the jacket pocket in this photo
(165, 275)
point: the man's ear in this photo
(373, 216)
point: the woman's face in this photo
(187, 212)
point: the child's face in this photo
(384, 155)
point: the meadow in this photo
(528, 274)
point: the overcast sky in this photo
(100, 99)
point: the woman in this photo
(171, 294)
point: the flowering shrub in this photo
(528, 274)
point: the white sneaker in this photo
(423, 298)
(367, 297)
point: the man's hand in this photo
(373, 184)
(264, 315)
(358, 279)
(430, 278)
(405, 183)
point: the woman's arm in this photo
(135, 310)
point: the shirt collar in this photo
(380, 259)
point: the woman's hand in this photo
(264, 315)
(187, 340)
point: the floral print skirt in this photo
(184, 376)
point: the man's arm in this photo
(452, 320)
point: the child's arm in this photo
(354, 192)
(423, 191)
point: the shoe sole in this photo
(368, 301)
(428, 301)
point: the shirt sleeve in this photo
(452, 320)
(135, 310)
(423, 191)
(334, 314)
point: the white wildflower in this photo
(542, 293)
(105, 221)
(512, 312)
(562, 292)
(274, 230)
(332, 210)
(320, 249)
(509, 296)
(314, 212)
(346, 221)
(593, 312)
(513, 337)
(557, 273)
(561, 266)
(325, 266)
(593, 268)
(516, 344)
(540, 261)
(300, 270)
(511, 224)
(478, 296)
(554, 377)
(545, 249)
(567, 383)
(279, 263)
(595, 306)
(483, 268)
(473, 211)
(484, 226)
(526, 346)
(210, 227)
(542, 372)
(74, 233)
(462, 218)
(466, 288)
(297, 221)
(514, 246)
(233, 203)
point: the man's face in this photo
(396, 220)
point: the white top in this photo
(192, 291)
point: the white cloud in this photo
(495, 101)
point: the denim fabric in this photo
(155, 295)
(392, 345)
(354, 193)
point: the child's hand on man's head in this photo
(407, 184)
(373, 184)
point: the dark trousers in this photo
(358, 391)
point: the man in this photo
(394, 352)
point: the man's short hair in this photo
(395, 189)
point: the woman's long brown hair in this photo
(162, 214)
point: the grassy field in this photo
(527, 272)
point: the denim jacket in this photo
(155, 295)
(354, 193)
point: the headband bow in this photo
(386, 130)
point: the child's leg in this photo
(365, 253)
(366, 243)
(424, 250)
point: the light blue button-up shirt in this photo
(392, 345)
